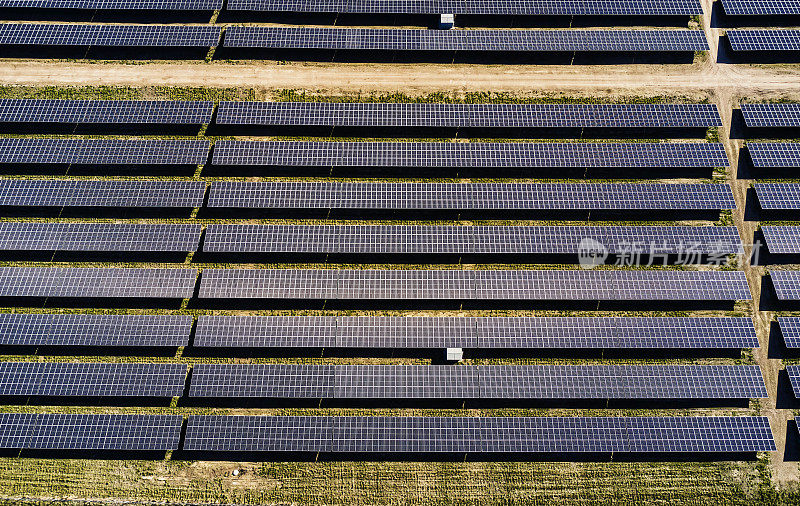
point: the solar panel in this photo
(771, 115)
(466, 332)
(790, 329)
(778, 196)
(367, 195)
(782, 239)
(140, 112)
(80, 34)
(787, 284)
(794, 378)
(101, 193)
(91, 379)
(177, 5)
(474, 154)
(465, 40)
(468, 115)
(473, 382)
(90, 432)
(30, 236)
(760, 7)
(421, 239)
(764, 40)
(103, 151)
(616, 332)
(28, 329)
(774, 154)
(508, 7)
(478, 434)
(96, 282)
(347, 284)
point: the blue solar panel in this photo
(32, 236)
(790, 329)
(469, 115)
(100, 379)
(73, 34)
(787, 284)
(178, 5)
(459, 154)
(782, 239)
(771, 115)
(101, 193)
(508, 7)
(103, 151)
(33, 329)
(774, 154)
(478, 434)
(105, 111)
(764, 40)
(90, 432)
(794, 378)
(778, 196)
(761, 7)
(465, 40)
(479, 285)
(362, 195)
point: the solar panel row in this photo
(348, 284)
(790, 329)
(760, 7)
(101, 193)
(30, 236)
(478, 434)
(32, 329)
(598, 196)
(106, 111)
(90, 432)
(411, 239)
(465, 40)
(178, 5)
(507, 7)
(787, 284)
(764, 40)
(103, 151)
(476, 382)
(469, 115)
(469, 332)
(459, 154)
(92, 379)
(96, 282)
(782, 239)
(81, 34)
(793, 371)
(778, 196)
(771, 115)
(774, 154)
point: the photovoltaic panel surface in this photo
(507, 7)
(30, 329)
(778, 196)
(771, 115)
(774, 154)
(793, 371)
(473, 382)
(474, 154)
(368, 195)
(760, 7)
(467, 332)
(347, 284)
(787, 284)
(103, 151)
(101, 193)
(790, 329)
(478, 434)
(468, 115)
(783, 239)
(465, 40)
(77, 34)
(90, 432)
(422, 239)
(92, 379)
(178, 5)
(105, 111)
(96, 282)
(764, 40)
(32, 236)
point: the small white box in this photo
(455, 354)
(446, 21)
